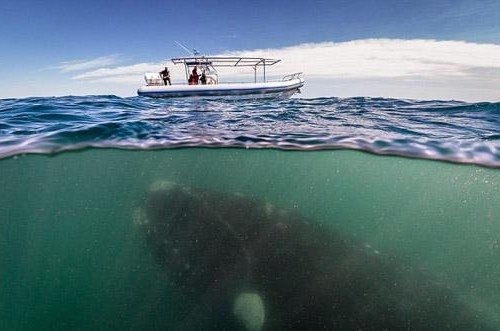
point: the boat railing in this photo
(291, 76)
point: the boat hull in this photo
(282, 89)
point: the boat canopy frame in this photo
(211, 62)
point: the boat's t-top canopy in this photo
(225, 61)
(209, 63)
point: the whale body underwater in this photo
(240, 263)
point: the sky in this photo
(420, 49)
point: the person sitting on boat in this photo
(193, 78)
(165, 75)
(203, 78)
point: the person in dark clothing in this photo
(193, 78)
(165, 75)
(203, 78)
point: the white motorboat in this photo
(210, 87)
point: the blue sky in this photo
(39, 37)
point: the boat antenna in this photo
(186, 49)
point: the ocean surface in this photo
(416, 182)
(444, 130)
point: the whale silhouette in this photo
(241, 263)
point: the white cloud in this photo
(81, 65)
(427, 69)
(106, 73)
(383, 58)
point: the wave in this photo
(452, 131)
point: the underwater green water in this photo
(71, 257)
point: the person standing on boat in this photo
(165, 75)
(193, 78)
(203, 78)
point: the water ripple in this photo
(443, 130)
